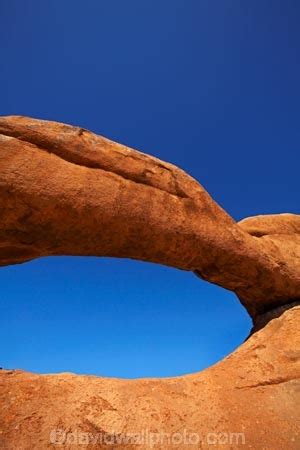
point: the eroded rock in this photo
(67, 191)
(249, 400)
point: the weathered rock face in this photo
(67, 191)
(249, 400)
(273, 224)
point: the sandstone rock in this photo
(249, 400)
(272, 224)
(67, 191)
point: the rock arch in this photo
(67, 191)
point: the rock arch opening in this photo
(114, 317)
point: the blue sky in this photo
(210, 85)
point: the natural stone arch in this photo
(67, 191)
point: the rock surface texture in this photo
(67, 191)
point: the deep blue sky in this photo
(212, 86)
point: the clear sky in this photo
(210, 85)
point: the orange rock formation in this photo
(67, 191)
